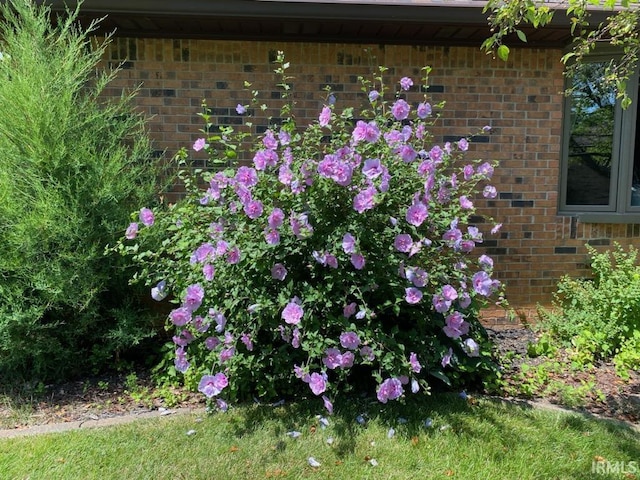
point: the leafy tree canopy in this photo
(620, 30)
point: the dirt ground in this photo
(111, 396)
(610, 396)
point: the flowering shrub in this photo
(343, 250)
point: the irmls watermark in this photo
(606, 467)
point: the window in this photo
(600, 171)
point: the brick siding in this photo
(521, 100)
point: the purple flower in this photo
(455, 326)
(200, 324)
(292, 313)
(464, 300)
(465, 203)
(276, 217)
(393, 138)
(226, 354)
(272, 237)
(327, 404)
(400, 109)
(285, 175)
(222, 405)
(417, 276)
(203, 252)
(449, 293)
(325, 117)
(496, 228)
(253, 209)
(350, 340)
(424, 110)
(300, 373)
(158, 293)
(146, 217)
(181, 363)
(269, 140)
(390, 389)
(331, 260)
(246, 339)
(211, 342)
(489, 192)
(243, 192)
(415, 364)
(348, 243)
(482, 283)
(319, 257)
(446, 359)
(295, 340)
(453, 236)
(358, 261)
(440, 303)
(208, 271)
(486, 170)
(317, 383)
(485, 262)
(436, 153)
(193, 298)
(247, 176)
(407, 153)
(467, 172)
(347, 359)
(184, 339)
(199, 144)
(333, 358)
(368, 132)
(241, 109)
(471, 347)
(233, 256)
(403, 242)
(373, 95)
(349, 310)
(265, 158)
(364, 200)
(132, 231)
(212, 385)
(367, 354)
(180, 316)
(220, 320)
(463, 144)
(475, 234)
(278, 272)
(412, 295)
(417, 214)
(300, 225)
(406, 83)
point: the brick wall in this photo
(521, 100)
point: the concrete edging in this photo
(96, 423)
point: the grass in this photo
(482, 439)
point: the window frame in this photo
(619, 208)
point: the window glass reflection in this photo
(590, 138)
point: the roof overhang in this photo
(417, 22)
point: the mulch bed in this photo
(621, 397)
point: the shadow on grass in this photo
(490, 420)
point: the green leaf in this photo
(440, 376)
(521, 36)
(503, 53)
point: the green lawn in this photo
(467, 440)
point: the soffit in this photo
(417, 22)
